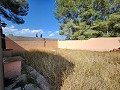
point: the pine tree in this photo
(12, 10)
(78, 16)
(36, 35)
(41, 36)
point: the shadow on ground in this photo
(53, 67)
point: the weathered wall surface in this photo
(12, 69)
(18, 43)
(93, 44)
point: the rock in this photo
(19, 88)
(19, 79)
(34, 74)
(40, 80)
(29, 68)
(31, 87)
(10, 86)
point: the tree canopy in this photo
(81, 19)
(12, 10)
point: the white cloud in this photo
(23, 32)
(52, 34)
(12, 27)
(37, 31)
(57, 32)
(49, 31)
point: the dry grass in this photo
(77, 70)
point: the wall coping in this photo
(22, 38)
(8, 50)
(12, 59)
(94, 39)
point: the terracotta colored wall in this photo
(10, 44)
(18, 43)
(12, 69)
(94, 44)
(27, 45)
(51, 44)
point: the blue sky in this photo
(40, 19)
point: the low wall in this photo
(93, 44)
(18, 43)
(12, 69)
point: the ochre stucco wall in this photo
(93, 44)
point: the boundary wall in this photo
(93, 44)
(19, 43)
